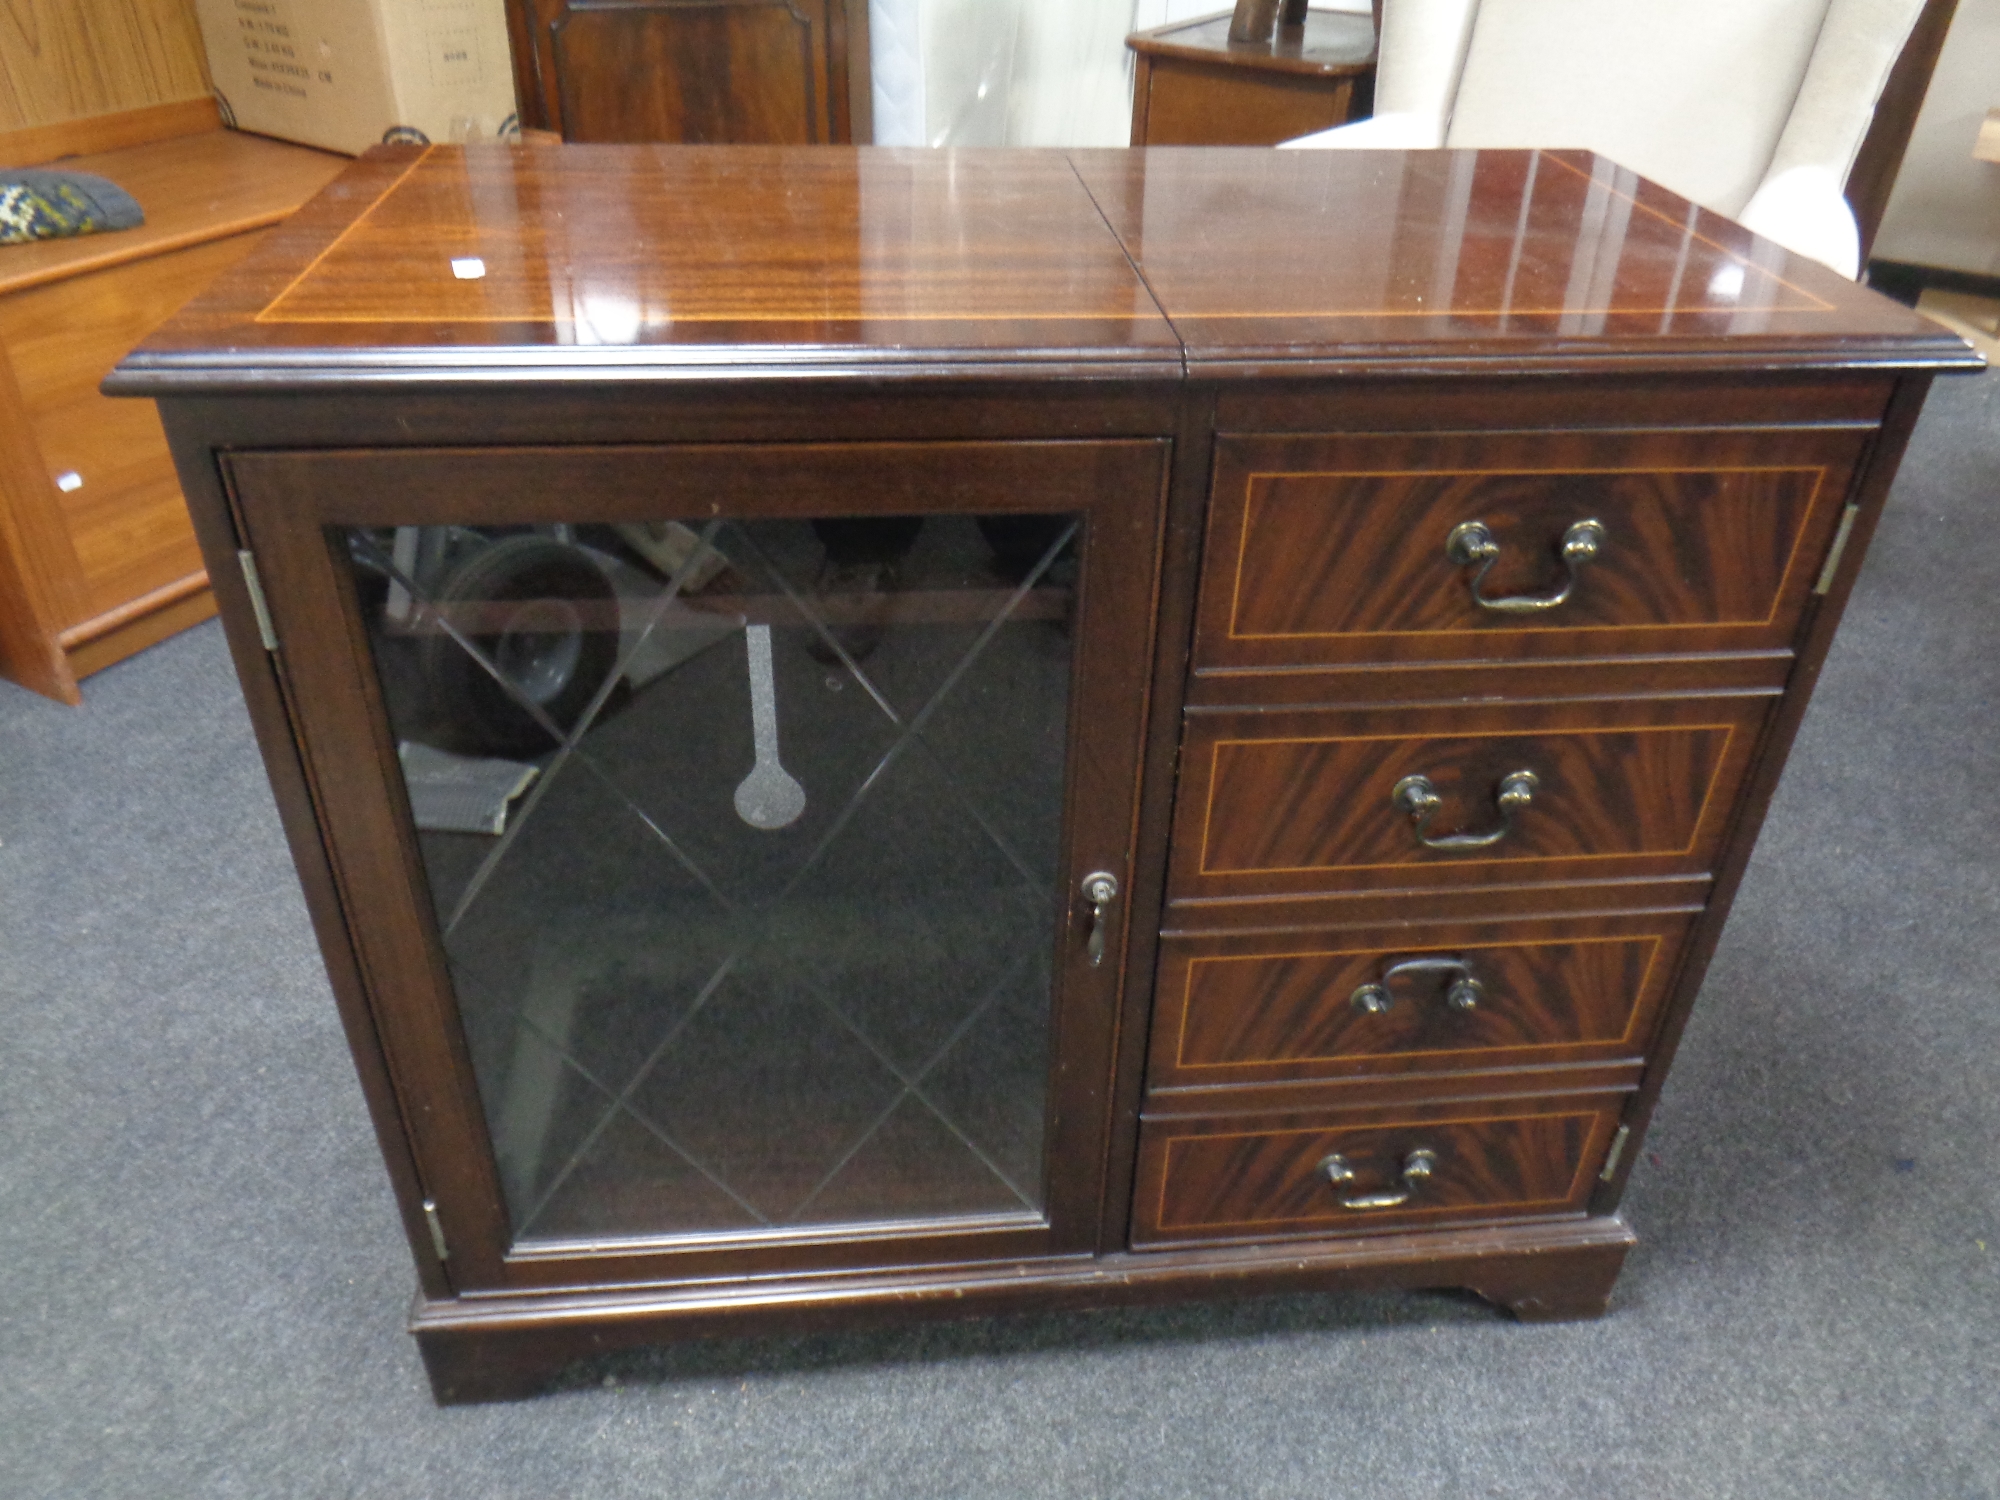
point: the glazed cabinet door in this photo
(732, 838)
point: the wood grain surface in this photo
(61, 59)
(1334, 549)
(91, 134)
(193, 188)
(735, 72)
(1275, 1006)
(952, 334)
(849, 262)
(1192, 86)
(1336, 42)
(1259, 1178)
(521, 486)
(38, 533)
(126, 520)
(40, 586)
(1361, 254)
(1301, 801)
(727, 246)
(110, 565)
(719, 73)
(1612, 397)
(503, 1348)
(1180, 103)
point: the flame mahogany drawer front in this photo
(1267, 1007)
(1329, 800)
(1329, 550)
(1266, 1177)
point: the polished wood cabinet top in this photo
(691, 257)
(452, 261)
(1335, 257)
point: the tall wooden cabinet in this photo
(752, 72)
(1046, 771)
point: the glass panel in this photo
(744, 846)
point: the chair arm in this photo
(1406, 132)
(1858, 45)
(1802, 209)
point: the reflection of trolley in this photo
(512, 633)
(538, 607)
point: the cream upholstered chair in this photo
(1753, 108)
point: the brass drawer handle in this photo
(1416, 796)
(1472, 542)
(1417, 1168)
(1462, 994)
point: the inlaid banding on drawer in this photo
(1337, 549)
(1600, 793)
(1261, 1178)
(1274, 1007)
(1306, 800)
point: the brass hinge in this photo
(1839, 546)
(1617, 1150)
(437, 1230)
(266, 631)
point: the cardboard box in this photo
(347, 74)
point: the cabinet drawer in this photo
(1318, 800)
(1327, 550)
(1266, 1177)
(1269, 1007)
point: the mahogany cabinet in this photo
(1082, 727)
(747, 72)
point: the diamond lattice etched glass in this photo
(743, 845)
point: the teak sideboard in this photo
(1084, 726)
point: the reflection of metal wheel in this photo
(535, 631)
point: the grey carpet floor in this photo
(202, 1281)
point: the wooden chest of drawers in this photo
(1167, 782)
(97, 559)
(1410, 924)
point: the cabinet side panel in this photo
(36, 559)
(1871, 489)
(187, 424)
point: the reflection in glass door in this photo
(743, 843)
